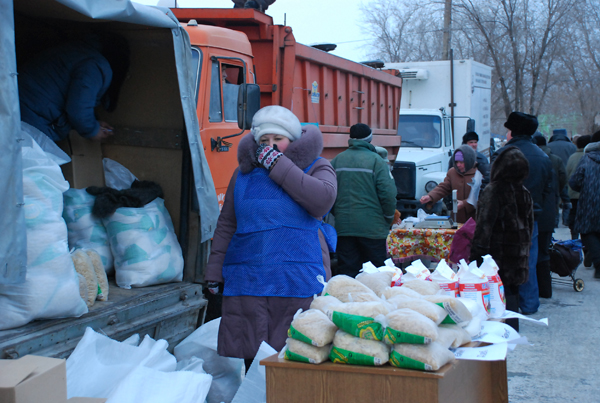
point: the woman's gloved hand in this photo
(267, 156)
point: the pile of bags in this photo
(408, 320)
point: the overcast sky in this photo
(312, 21)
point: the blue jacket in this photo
(539, 181)
(59, 89)
(561, 145)
(586, 180)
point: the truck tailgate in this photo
(168, 311)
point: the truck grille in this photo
(404, 174)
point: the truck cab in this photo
(422, 161)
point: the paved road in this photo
(563, 363)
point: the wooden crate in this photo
(463, 381)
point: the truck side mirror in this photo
(248, 104)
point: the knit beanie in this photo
(361, 131)
(275, 119)
(459, 156)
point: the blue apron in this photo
(275, 250)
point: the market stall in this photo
(407, 244)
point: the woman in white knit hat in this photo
(269, 245)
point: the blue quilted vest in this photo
(275, 250)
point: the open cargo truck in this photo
(172, 126)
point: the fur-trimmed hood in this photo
(510, 166)
(592, 150)
(301, 152)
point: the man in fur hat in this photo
(365, 203)
(521, 127)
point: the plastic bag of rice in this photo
(348, 289)
(348, 349)
(434, 312)
(462, 337)
(323, 302)
(390, 292)
(458, 314)
(423, 287)
(100, 274)
(359, 318)
(407, 326)
(378, 281)
(296, 350)
(312, 327)
(430, 357)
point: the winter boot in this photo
(587, 259)
(544, 279)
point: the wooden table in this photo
(463, 381)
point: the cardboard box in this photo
(85, 400)
(33, 379)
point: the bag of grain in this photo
(323, 302)
(430, 357)
(312, 327)
(497, 299)
(408, 326)
(446, 278)
(347, 349)
(434, 312)
(348, 289)
(296, 350)
(359, 318)
(456, 310)
(391, 292)
(461, 336)
(474, 284)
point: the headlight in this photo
(429, 186)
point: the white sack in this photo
(144, 245)
(51, 288)
(85, 230)
(254, 385)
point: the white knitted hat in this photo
(276, 119)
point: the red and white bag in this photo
(474, 285)
(446, 278)
(497, 299)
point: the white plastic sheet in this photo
(254, 385)
(124, 372)
(226, 372)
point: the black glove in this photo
(267, 156)
(213, 287)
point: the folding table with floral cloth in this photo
(416, 243)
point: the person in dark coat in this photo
(547, 220)
(505, 224)
(521, 127)
(60, 88)
(563, 147)
(269, 246)
(574, 159)
(459, 178)
(586, 181)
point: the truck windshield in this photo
(420, 131)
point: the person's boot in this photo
(587, 259)
(597, 272)
(544, 279)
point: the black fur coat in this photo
(505, 218)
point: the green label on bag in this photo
(341, 356)
(359, 326)
(402, 361)
(392, 336)
(99, 291)
(294, 334)
(452, 317)
(296, 357)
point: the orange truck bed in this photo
(318, 87)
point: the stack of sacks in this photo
(348, 349)
(310, 336)
(379, 278)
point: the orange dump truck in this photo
(318, 87)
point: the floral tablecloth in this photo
(420, 242)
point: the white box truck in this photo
(439, 104)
